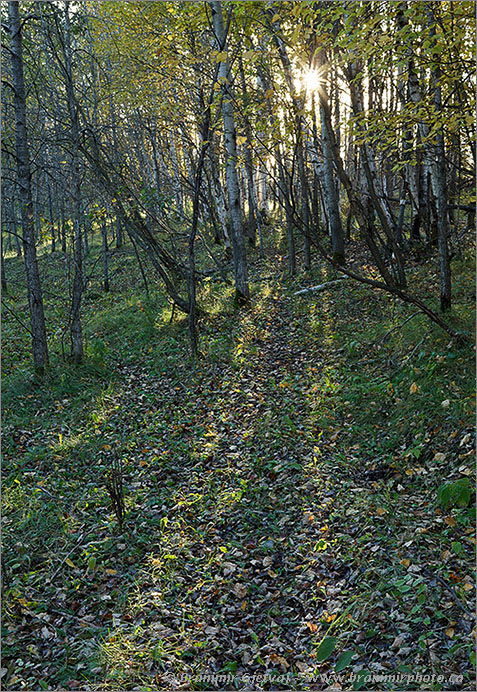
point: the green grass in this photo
(293, 475)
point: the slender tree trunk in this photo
(254, 216)
(35, 298)
(4, 277)
(63, 225)
(114, 132)
(438, 179)
(288, 212)
(304, 199)
(240, 258)
(370, 171)
(50, 213)
(329, 185)
(76, 334)
(104, 234)
(219, 196)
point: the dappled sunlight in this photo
(237, 307)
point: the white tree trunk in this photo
(240, 257)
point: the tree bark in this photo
(35, 298)
(76, 335)
(242, 292)
(329, 186)
(438, 179)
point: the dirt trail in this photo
(241, 576)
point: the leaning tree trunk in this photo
(35, 298)
(242, 292)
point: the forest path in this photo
(240, 574)
(275, 495)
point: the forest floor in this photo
(296, 502)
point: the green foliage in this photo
(326, 648)
(344, 661)
(455, 494)
(296, 463)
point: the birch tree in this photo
(242, 291)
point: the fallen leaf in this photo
(240, 590)
(405, 563)
(211, 630)
(450, 632)
(280, 660)
(229, 568)
(302, 667)
(413, 388)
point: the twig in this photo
(68, 554)
(400, 325)
(452, 592)
(47, 492)
(12, 312)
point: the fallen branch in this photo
(320, 287)
(452, 592)
(400, 325)
(78, 542)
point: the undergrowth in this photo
(308, 477)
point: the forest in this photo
(238, 299)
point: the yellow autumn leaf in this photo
(413, 388)
(450, 632)
(111, 572)
(380, 511)
(221, 57)
(405, 563)
(70, 563)
(467, 586)
(269, 93)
